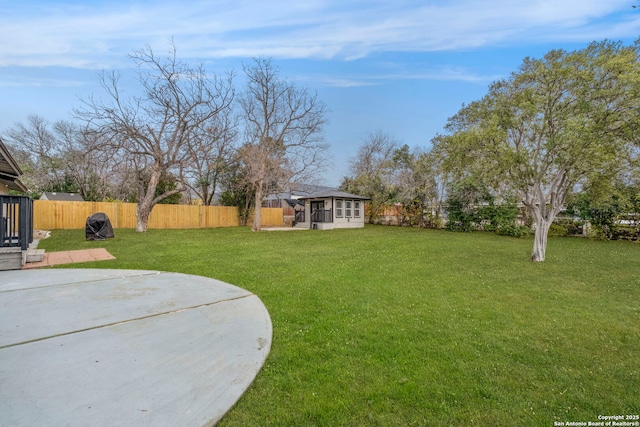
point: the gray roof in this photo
(65, 197)
(309, 189)
(335, 194)
(10, 172)
(299, 191)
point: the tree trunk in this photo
(146, 203)
(142, 217)
(257, 214)
(540, 242)
(544, 210)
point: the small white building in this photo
(331, 209)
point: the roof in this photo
(335, 194)
(299, 191)
(63, 197)
(10, 172)
(309, 189)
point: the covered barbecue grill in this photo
(99, 227)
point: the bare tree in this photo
(209, 156)
(283, 132)
(87, 163)
(40, 147)
(157, 128)
(61, 157)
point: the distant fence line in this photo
(58, 215)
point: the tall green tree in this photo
(610, 212)
(558, 121)
(236, 188)
(416, 187)
(372, 172)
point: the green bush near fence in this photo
(389, 326)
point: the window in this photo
(356, 209)
(338, 208)
(348, 208)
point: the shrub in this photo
(459, 218)
(558, 230)
(623, 232)
(513, 230)
(597, 232)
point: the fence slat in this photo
(59, 215)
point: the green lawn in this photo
(387, 326)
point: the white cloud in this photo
(35, 82)
(344, 82)
(101, 34)
(441, 73)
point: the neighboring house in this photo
(61, 197)
(16, 215)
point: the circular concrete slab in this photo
(85, 347)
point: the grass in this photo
(388, 326)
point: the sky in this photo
(401, 67)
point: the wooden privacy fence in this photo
(57, 215)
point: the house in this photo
(63, 197)
(16, 215)
(326, 208)
(292, 202)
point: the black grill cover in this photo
(99, 227)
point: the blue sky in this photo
(399, 66)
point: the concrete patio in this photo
(83, 347)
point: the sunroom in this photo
(331, 209)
